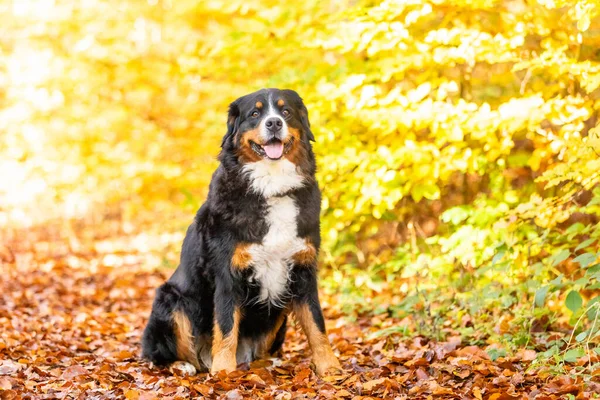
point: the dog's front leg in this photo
(307, 310)
(225, 330)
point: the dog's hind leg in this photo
(168, 337)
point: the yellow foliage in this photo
(418, 106)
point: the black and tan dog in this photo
(249, 259)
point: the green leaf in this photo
(540, 296)
(593, 269)
(585, 244)
(593, 311)
(594, 301)
(576, 228)
(560, 257)
(594, 286)
(582, 282)
(428, 190)
(581, 337)
(552, 351)
(495, 353)
(455, 215)
(573, 301)
(572, 355)
(498, 256)
(585, 259)
(557, 281)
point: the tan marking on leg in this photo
(323, 358)
(280, 102)
(259, 104)
(225, 348)
(241, 257)
(186, 349)
(308, 256)
(267, 341)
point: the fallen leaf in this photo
(5, 383)
(527, 355)
(234, 395)
(74, 371)
(301, 376)
(205, 390)
(421, 374)
(10, 367)
(132, 394)
(370, 385)
(8, 395)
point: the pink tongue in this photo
(274, 150)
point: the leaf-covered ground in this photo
(70, 328)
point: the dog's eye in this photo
(255, 114)
(286, 113)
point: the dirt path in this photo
(68, 332)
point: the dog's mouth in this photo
(274, 149)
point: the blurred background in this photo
(457, 143)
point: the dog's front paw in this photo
(327, 366)
(182, 368)
(227, 364)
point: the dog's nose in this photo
(274, 124)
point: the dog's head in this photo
(271, 125)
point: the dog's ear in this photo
(306, 122)
(297, 100)
(233, 121)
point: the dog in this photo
(249, 258)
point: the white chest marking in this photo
(272, 258)
(270, 177)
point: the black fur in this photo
(204, 286)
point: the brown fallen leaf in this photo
(9, 367)
(462, 373)
(421, 374)
(8, 395)
(74, 371)
(301, 376)
(255, 381)
(343, 393)
(132, 394)
(417, 362)
(503, 396)
(98, 356)
(234, 395)
(333, 378)
(527, 355)
(370, 385)
(5, 383)
(205, 390)
(148, 396)
(124, 354)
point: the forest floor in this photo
(71, 325)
